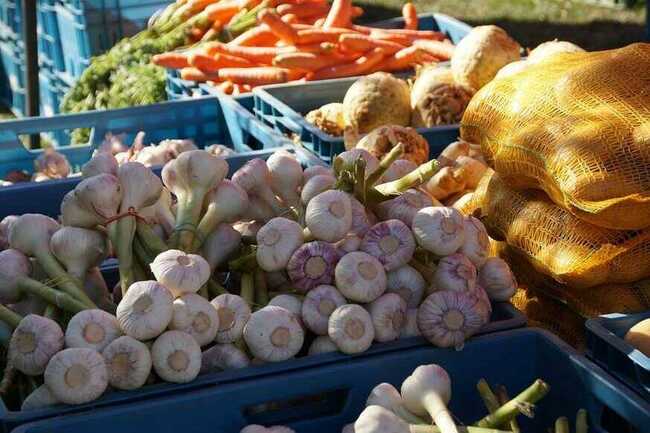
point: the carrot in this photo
(317, 35)
(316, 48)
(319, 22)
(226, 87)
(262, 55)
(194, 74)
(309, 61)
(259, 76)
(339, 15)
(360, 66)
(196, 33)
(391, 37)
(222, 11)
(441, 50)
(403, 59)
(208, 63)
(413, 34)
(356, 12)
(290, 18)
(304, 10)
(355, 42)
(285, 32)
(260, 36)
(410, 16)
(172, 60)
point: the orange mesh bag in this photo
(557, 243)
(576, 126)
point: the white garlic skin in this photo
(322, 344)
(350, 328)
(180, 272)
(319, 304)
(291, 303)
(129, 363)
(455, 272)
(92, 329)
(221, 357)
(398, 169)
(234, 313)
(196, 316)
(33, 343)
(408, 283)
(406, 205)
(439, 230)
(40, 398)
(388, 314)
(496, 277)
(376, 419)
(176, 357)
(316, 185)
(315, 170)
(13, 266)
(360, 277)
(391, 242)
(76, 376)
(425, 380)
(220, 245)
(329, 216)
(410, 328)
(273, 334)
(276, 242)
(145, 310)
(477, 243)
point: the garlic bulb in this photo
(40, 398)
(322, 344)
(179, 272)
(387, 313)
(5, 228)
(220, 150)
(315, 170)
(276, 242)
(350, 328)
(145, 310)
(388, 397)
(476, 246)
(273, 334)
(176, 357)
(99, 195)
(405, 206)
(52, 164)
(360, 277)
(391, 242)
(329, 216)
(222, 357)
(128, 362)
(455, 272)
(92, 329)
(410, 328)
(76, 376)
(234, 313)
(408, 284)
(291, 303)
(224, 204)
(312, 264)
(286, 176)
(360, 219)
(315, 185)
(427, 391)
(398, 169)
(254, 177)
(194, 315)
(376, 419)
(34, 341)
(348, 244)
(74, 214)
(79, 249)
(447, 318)
(350, 156)
(222, 243)
(497, 279)
(439, 230)
(318, 306)
(101, 162)
(13, 264)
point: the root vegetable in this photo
(222, 243)
(639, 336)
(453, 151)
(40, 398)
(382, 139)
(350, 328)
(388, 397)
(92, 329)
(512, 68)
(328, 118)
(405, 206)
(387, 313)
(145, 310)
(277, 240)
(322, 344)
(427, 391)
(497, 279)
(445, 183)
(329, 216)
(470, 170)
(408, 284)
(456, 273)
(360, 277)
(223, 357)
(76, 376)
(479, 55)
(34, 341)
(234, 313)
(128, 362)
(550, 48)
(194, 315)
(372, 101)
(176, 357)
(312, 264)
(439, 230)
(448, 318)
(318, 306)
(179, 272)
(391, 242)
(273, 334)
(476, 246)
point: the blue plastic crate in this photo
(50, 50)
(206, 120)
(10, 15)
(606, 346)
(177, 88)
(12, 65)
(324, 399)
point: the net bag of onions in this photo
(577, 126)
(557, 243)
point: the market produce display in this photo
(218, 274)
(420, 406)
(639, 336)
(305, 40)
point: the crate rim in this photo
(595, 325)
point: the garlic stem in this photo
(187, 219)
(60, 299)
(150, 239)
(488, 397)
(121, 233)
(581, 421)
(562, 425)
(247, 288)
(62, 278)
(215, 289)
(502, 395)
(417, 177)
(10, 318)
(437, 408)
(261, 289)
(384, 164)
(510, 410)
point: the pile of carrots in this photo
(303, 40)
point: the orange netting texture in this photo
(576, 126)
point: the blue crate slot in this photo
(49, 40)
(606, 346)
(324, 399)
(177, 88)
(207, 121)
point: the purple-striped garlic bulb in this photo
(455, 272)
(312, 264)
(391, 242)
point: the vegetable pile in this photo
(215, 274)
(305, 40)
